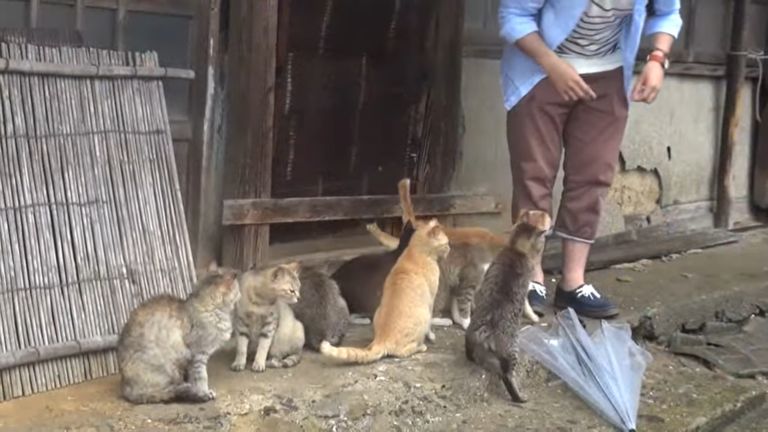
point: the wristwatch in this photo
(659, 56)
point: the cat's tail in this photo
(370, 354)
(404, 190)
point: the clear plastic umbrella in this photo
(605, 369)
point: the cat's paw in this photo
(238, 366)
(274, 363)
(431, 336)
(209, 395)
(462, 322)
(256, 367)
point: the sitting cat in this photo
(263, 316)
(403, 319)
(491, 339)
(164, 346)
(472, 251)
(321, 308)
(361, 279)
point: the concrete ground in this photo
(439, 390)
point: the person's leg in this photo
(592, 139)
(534, 135)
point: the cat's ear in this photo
(294, 266)
(431, 223)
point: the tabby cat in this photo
(164, 346)
(263, 316)
(321, 308)
(491, 339)
(402, 321)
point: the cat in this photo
(361, 279)
(263, 317)
(321, 308)
(491, 339)
(164, 347)
(402, 321)
(472, 250)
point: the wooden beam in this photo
(267, 211)
(205, 162)
(646, 243)
(250, 144)
(735, 72)
(165, 7)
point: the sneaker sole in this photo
(601, 314)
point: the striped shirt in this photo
(593, 46)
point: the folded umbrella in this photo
(605, 369)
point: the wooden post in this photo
(251, 85)
(34, 12)
(79, 8)
(206, 157)
(736, 68)
(119, 36)
(760, 175)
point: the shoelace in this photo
(587, 290)
(539, 288)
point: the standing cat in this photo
(263, 316)
(403, 319)
(472, 250)
(361, 279)
(321, 308)
(164, 347)
(491, 339)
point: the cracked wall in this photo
(668, 153)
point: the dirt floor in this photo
(439, 390)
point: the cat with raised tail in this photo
(402, 321)
(491, 339)
(472, 250)
(361, 279)
(164, 346)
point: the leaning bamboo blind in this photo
(91, 221)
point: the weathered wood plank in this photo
(646, 245)
(266, 211)
(734, 92)
(165, 7)
(250, 144)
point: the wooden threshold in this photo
(288, 210)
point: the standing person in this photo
(567, 77)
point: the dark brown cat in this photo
(491, 339)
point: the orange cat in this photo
(472, 250)
(402, 320)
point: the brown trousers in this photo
(542, 125)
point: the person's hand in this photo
(567, 81)
(648, 85)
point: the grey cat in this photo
(491, 338)
(164, 347)
(321, 308)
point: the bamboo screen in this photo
(91, 220)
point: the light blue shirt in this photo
(554, 20)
